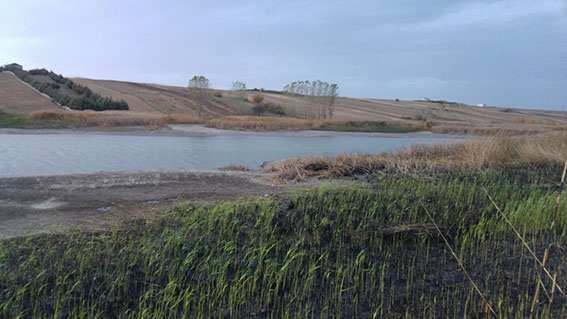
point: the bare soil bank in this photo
(38, 204)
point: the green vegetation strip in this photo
(365, 251)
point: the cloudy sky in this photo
(504, 52)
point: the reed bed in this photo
(500, 151)
(366, 251)
(257, 123)
(266, 123)
(67, 119)
(183, 119)
(489, 130)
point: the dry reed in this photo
(501, 150)
(108, 118)
(258, 123)
(180, 118)
(267, 123)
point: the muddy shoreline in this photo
(190, 130)
(98, 201)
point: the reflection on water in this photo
(73, 153)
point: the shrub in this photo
(257, 98)
(259, 109)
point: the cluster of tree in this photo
(321, 93)
(238, 86)
(85, 99)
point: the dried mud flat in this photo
(98, 201)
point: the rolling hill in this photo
(143, 98)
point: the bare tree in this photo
(198, 86)
(320, 93)
(238, 86)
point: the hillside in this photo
(62, 90)
(153, 99)
(173, 99)
(18, 98)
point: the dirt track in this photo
(56, 203)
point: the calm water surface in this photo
(31, 154)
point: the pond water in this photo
(31, 154)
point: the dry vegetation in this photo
(234, 167)
(64, 119)
(488, 129)
(502, 150)
(183, 119)
(265, 123)
(258, 123)
(19, 98)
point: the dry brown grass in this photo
(258, 123)
(183, 119)
(266, 123)
(128, 119)
(91, 118)
(62, 116)
(485, 130)
(501, 150)
(233, 167)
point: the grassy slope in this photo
(19, 98)
(446, 117)
(441, 118)
(362, 251)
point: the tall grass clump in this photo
(366, 251)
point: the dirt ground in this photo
(90, 202)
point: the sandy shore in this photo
(56, 203)
(201, 131)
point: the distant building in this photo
(481, 105)
(14, 65)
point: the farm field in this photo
(158, 105)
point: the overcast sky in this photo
(504, 53)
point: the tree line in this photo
(85, 99)
(318, 92)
